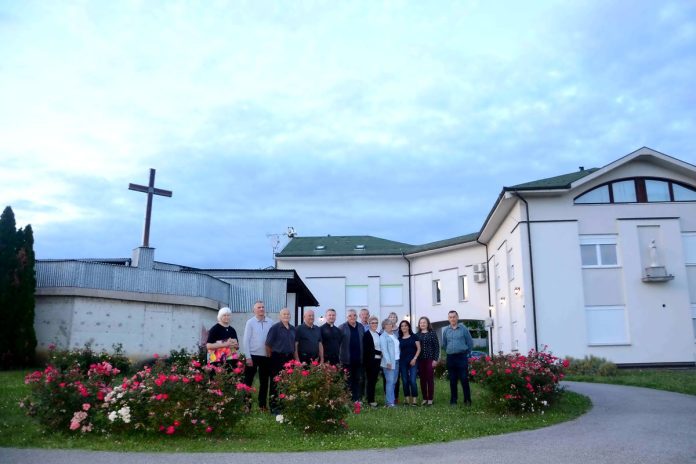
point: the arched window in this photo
(638, 190)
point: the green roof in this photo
(445, 243)
(558, 182)
(361, 245)
(353, 245)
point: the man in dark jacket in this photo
(351, 352)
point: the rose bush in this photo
(169, 398)
(69, 399)
(517, 383)
(314, 397)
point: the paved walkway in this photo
(627, 425)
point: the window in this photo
(391, 295)
(657, 190)
(437, 292)
(638, 190)
(683, 193)
(497, 277)
(511, 267)
(356, 295)
(598, 195)
(463, 288)
(598, 251)
(624, 191)
(606, 325)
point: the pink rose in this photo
(170, 430)
(208, 429)
(305, 373)
(86, 406)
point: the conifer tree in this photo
(17, 287)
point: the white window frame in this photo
(463, 281)
(437, 292)
(596, 241)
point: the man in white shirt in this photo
(254, 344)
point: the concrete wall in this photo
(143, 323)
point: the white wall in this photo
(328, 277)
(447, 265)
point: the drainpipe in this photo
(488, 284)
(410, 316)
(531, 268)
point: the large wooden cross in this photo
(150, 190)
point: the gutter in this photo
(488, 283)
(410, 315)
(531, 267)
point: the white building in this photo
(596, 262)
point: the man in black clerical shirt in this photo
(308, 346)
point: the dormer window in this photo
(320, 247)
(638, 190)
(360, 247)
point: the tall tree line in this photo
(17, 287)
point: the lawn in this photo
(676, 380)
(372, 428)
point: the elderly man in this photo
(308, 346)
(457, 343)
(255, 333)
(351, 352)
(331, 338)
(364, 318)
(280, 347)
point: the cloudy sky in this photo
(398, 119)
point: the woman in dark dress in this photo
(429, 355)
(409, 347)
(222, 339)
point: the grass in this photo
(373, 428)
(675, 380)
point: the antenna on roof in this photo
(276, 238)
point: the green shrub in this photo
(590, 365)
(314, 397)
(607, 369)
(85, 357)
(516, 383)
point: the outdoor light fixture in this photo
(502, 300)
(518, 291)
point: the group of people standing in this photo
(358, 346)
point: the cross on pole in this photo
(150, 190)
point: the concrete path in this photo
(627, 425)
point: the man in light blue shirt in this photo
(457, 343)
(254, 344)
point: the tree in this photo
(17, 288)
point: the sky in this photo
(401, 120)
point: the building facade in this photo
(595, 262)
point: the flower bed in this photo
(517, 383)
(179, 398)
(314, 397)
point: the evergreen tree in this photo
(17, 287)
(25, 341)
